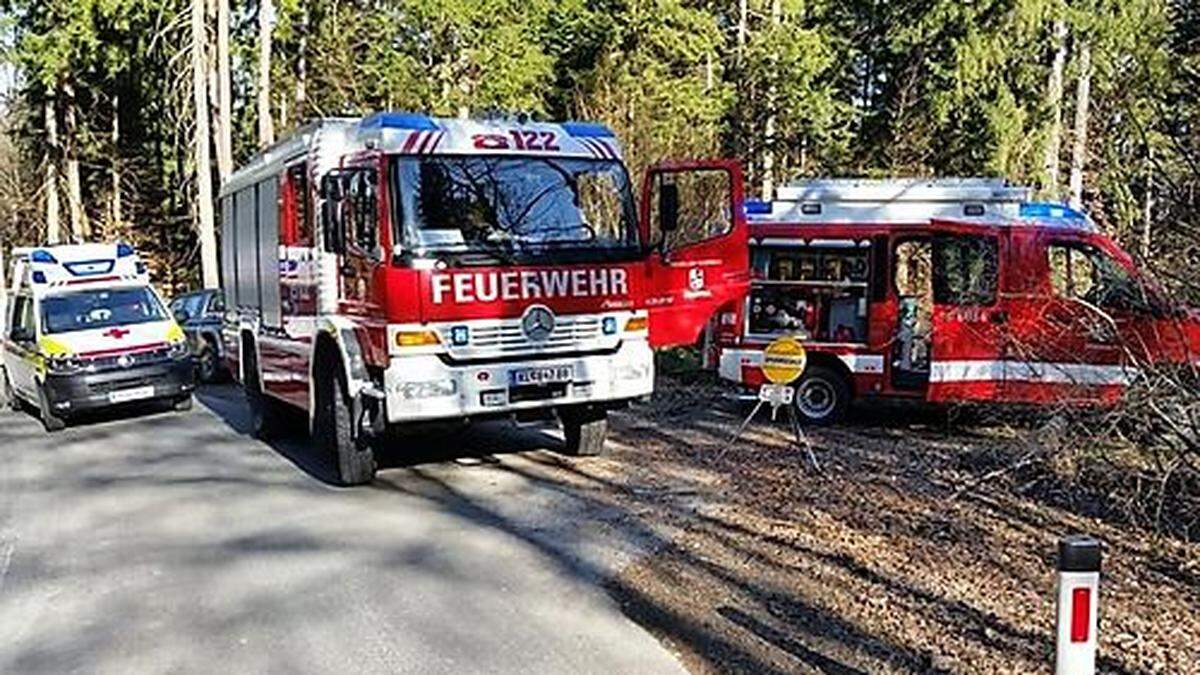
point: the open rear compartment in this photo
(816, 290)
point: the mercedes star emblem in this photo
(538, 323)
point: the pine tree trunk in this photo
(1082, 103)
(114, 204)
(80, 229)
(1054, 93)
(769, 131)
(1148, 206)
(53, 206)
(302, 63)
(224, 95)
(266, 127)
(204, 192)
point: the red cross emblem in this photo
(117, 333)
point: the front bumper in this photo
(83, 391)
(426, 388)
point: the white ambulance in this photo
(85, 330)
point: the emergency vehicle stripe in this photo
(436, 140)
(410, 141)
(612, 153)
(599, 149)
(589, 144)
(425, 142)
(1031, 371)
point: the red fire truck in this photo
(401, 268)
(956, 290)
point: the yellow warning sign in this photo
(784, 361)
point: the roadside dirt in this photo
(902, 554)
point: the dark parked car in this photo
(200, 315)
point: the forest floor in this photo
(906, 551)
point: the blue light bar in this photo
(588, 130)
(1052, 213)
(124, 250)
(39, 277)
(757, 208)
(40, 256)
(399, 120)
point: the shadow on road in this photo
(431, 444)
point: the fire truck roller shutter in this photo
(268, 251)
(245, 245)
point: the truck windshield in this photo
(87, 310)
(515, 208)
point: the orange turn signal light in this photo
(416, 338)
(636, 324)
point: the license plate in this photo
(126, 395)
(545, 375)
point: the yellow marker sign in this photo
(784, 361)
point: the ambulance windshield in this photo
(89, 310)
(515, 208)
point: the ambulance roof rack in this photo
(846, 201)
(901, 190)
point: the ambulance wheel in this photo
(50, 421)
(585, 429)
(266, 418)
(822, 396)
(353, 457)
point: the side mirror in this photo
(668, 207)
(180, 316)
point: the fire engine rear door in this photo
(694, 216)
(969, 318)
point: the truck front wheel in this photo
(585, 429)
(336, 434)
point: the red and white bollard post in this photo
(1078, 605)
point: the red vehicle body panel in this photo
(1028, 345)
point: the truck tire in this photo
(50, 421)
(266, 416)
(585, 430)
(822, 396)
(353, 458)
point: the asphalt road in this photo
(173, 542)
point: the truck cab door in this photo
(969, 324)
(693, 216)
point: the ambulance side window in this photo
(705, 207)
(22, 319)
(965, 269)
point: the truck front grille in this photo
(507, 337)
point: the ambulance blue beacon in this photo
(85, 330)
